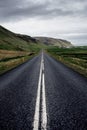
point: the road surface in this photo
(43, 94)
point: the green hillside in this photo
(15, 49)
(12, 41)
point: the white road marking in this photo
(44, 113)
(37, 107)
(36, 116)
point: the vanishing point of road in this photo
(43, 94)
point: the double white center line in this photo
(40, 123)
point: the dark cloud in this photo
(16, 9)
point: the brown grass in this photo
(9, 54)
(77, 64)
(8, 65)
(13, 59)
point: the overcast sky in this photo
(66, 19)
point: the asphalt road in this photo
(60, 105)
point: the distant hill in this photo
(12, 41)
(53, 41)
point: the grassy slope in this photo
(14, 50)
(75, 58)
(9, 41)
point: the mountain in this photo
(54, 42)
(12, 41)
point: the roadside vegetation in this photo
(15, 49)
(75, 57)
(11, 59)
